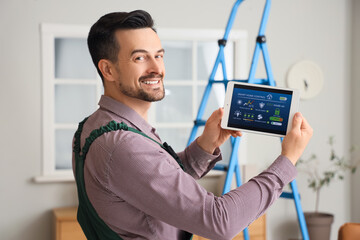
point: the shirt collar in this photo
(125, 112)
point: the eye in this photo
(140, 58)
(159, 56)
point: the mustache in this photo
(151, 76)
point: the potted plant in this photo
(319, 223)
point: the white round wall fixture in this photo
(307, 77)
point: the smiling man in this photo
(136, 77)
(131, 186)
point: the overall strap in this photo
(93, 226)
(114, 126)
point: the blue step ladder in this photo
(233, 166)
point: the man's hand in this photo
(214, 136)
(296, 140)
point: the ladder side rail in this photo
(219, 59)
(200, 113)
(224, 66)
(231, 20)
(265, 18)
(268, 64)
(205, 96)
(262, 28)
(299, 211)
(254, 64)
(234, 168)
(232, 165)
(294, 194)
(193, 134)
(238, 175)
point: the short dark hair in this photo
(101, 40)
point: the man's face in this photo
(140, 67)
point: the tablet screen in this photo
(260, 109)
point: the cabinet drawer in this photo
(70, 230)
(66, 225)
(257, 231)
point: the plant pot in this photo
(319, 225)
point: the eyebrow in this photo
(144, 51)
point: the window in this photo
(68, 75)
(189, 59)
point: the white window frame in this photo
(240, 71)
(51, 31)
(239, 37)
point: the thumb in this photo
(297, 120)
(217, 114)
(220, 112)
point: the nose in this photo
(156, 65)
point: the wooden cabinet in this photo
(257, 231)
(66, 225)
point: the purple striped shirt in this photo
(141, 192)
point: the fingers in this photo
(213, 135)
(302, 124)
(220, 113)
(305, 125)
(297, 139)
(216, 115)
(236, 134)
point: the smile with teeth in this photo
(151, 82)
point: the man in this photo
(136, 187)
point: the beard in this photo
(155, 95)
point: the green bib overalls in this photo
(92, 225)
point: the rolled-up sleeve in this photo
(198, 162)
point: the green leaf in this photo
(327, 180)
(322, 182)
(329, 174)
(332, 155)
(312, 185)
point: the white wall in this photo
(355, 100)
(299, 29)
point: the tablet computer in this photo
(259, 108)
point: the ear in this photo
(107, 69)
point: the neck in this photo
(139, 106)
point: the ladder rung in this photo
(255, 81)
(200, 122)
(288, 195)
(221, 167)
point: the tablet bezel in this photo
(294, 106)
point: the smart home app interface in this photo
(263, 109)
